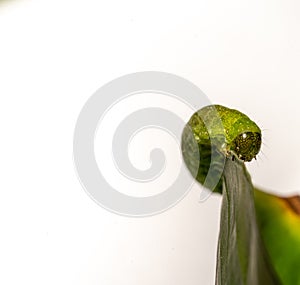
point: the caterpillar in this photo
(226, 132)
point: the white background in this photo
(55, 54)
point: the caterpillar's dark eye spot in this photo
(247, 145)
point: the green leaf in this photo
(242, 257)
(279, 223)
(215, 143)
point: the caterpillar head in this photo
(247, 145)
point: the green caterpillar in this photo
(222, 132)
